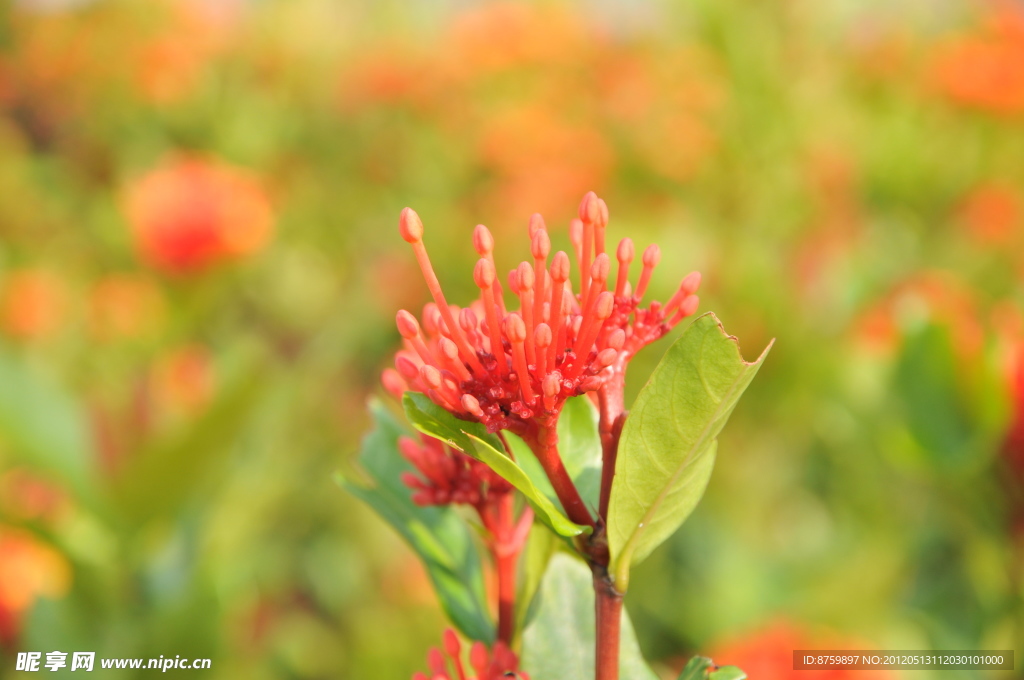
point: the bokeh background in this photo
(200, 266)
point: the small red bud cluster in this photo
(498, 664)
(449, 476)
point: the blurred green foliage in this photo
(846, 176)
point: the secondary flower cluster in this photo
(500, 663)
(449, 476)
(504, 368)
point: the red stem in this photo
(611, 403)
(608, 612)
(506, 555)
(544, 444)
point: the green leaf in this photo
(668, 444)
(43, 425)
(440, 537)
(703, 668)
(540, 547)
(559, 642)
(474, 440)
(697, 669)
(157, 480)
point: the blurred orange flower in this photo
(125, 306)
(29, 570)
(191, 213)
(992, 213)
(984, 69)
(768, 655)
(32, 303)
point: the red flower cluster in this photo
(499, 664)
(449, 476)
(505, 368)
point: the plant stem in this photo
(544, 444)
(611, 403)
(608, 612)
(506, 555)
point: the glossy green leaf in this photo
(42, 425)
(559, 642)
(440, 537)
(668, 444)
(474, 440)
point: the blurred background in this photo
(200, 266)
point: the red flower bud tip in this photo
(524, 277)
(467, 319)
(591, 383)
(560, 267)
(536, 224)
(542, 335)
(576, 234)
(651, 258)
(394, 383)
(602, 217)
(470, 403)
(451, 643)
(605, 305)
(410, 226)
(483, 274)
(407, 368)
(607, 356)
(540, 245)
(589, 210)
(691, 282)
(478, 659)
(431, 376)
(687, 308)
(513, 282)
(483, 241)
(436, 662)
(515, 329)
(625, 252)
(616, 339)
(408, 327)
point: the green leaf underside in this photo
(559, 643)
(668, 444)
(42, 424)
(439, 536)
(703, 668)
(474, 440)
